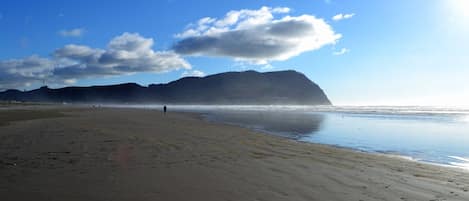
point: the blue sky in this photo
(376, 53)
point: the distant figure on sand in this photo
(164, 109)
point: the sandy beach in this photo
(80, 153)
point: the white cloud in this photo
(126, 54)
(341, 52)
(281, 10)
(341, 16)
(256, 36)
(192, 73)
(21, 72)
(72, 33)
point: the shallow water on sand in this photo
(429, 134)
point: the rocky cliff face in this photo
(249, 87)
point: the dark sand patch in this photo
(7, 116)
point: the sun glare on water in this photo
(465, 119)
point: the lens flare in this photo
(459, 7)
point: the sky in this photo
(361, 52)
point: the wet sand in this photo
(72, 153)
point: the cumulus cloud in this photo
(341, 52)
(72, 33)
(256, 36)
(22, 72)
(341, 16)
(192, 73)
(125, 54)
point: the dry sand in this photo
(129, 154)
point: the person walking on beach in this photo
(164, 109)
